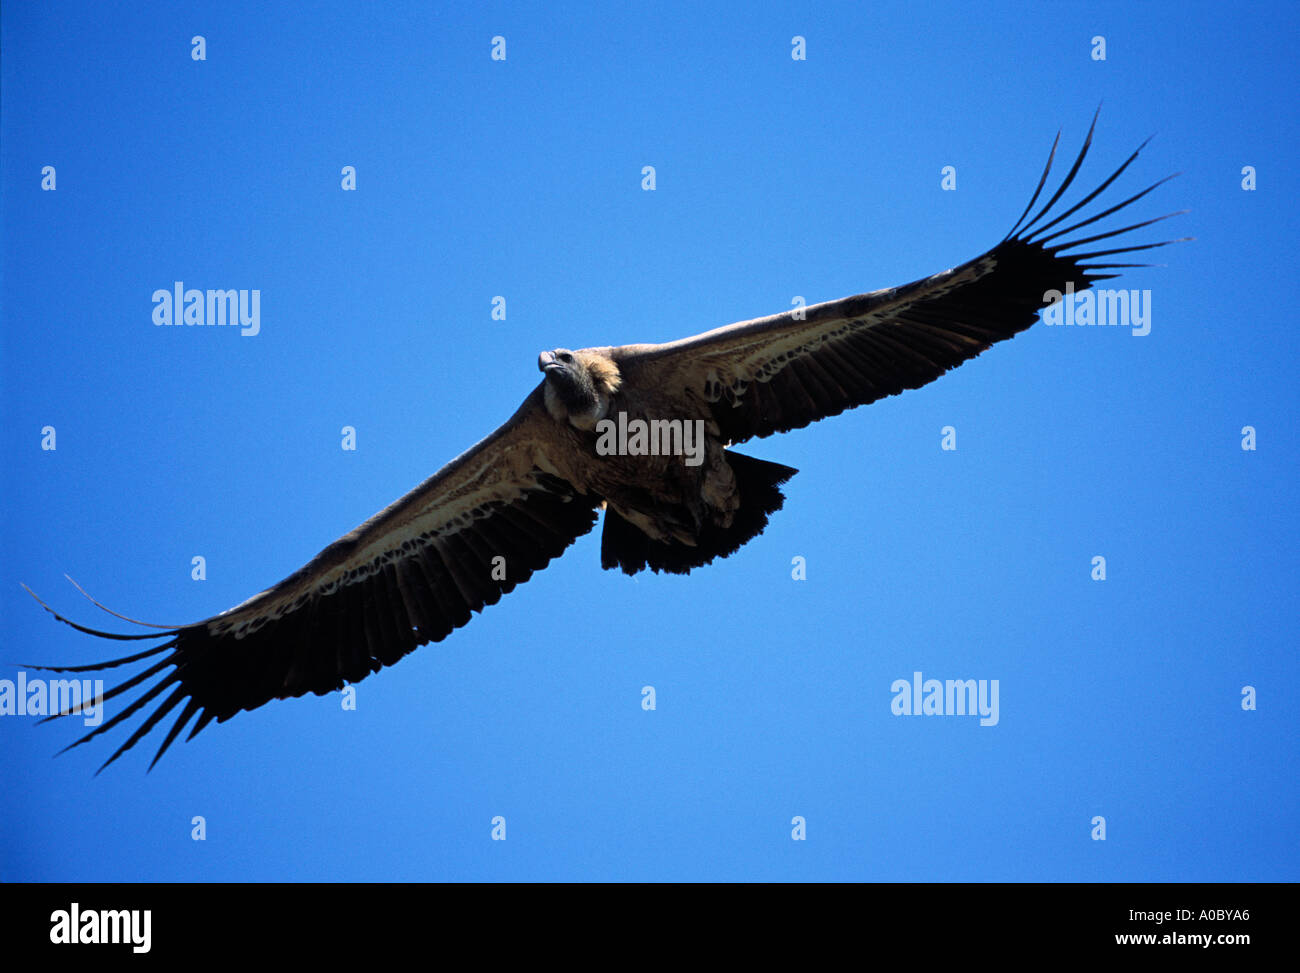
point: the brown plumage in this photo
(643, 431)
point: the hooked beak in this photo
(546, 360)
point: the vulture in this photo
(645, 433)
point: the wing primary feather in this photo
(165, 707)
(153, 691)
(1093, 195)
(1144, 246)
(204, 719)
(102, 607)
(95, 631)
(1069, 176)
(116, 690)
(1111, 233)
(1035, 238)
(190, 708)
(110, 663)
(1042, 181)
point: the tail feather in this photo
(624, 545)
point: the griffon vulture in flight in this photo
(644, 432)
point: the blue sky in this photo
(775, 177)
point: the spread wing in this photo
(782, 372)
(409, 575)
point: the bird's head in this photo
(579, 384)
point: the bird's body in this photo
(657, 460)
(646, 432)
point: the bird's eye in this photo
(565, 357)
